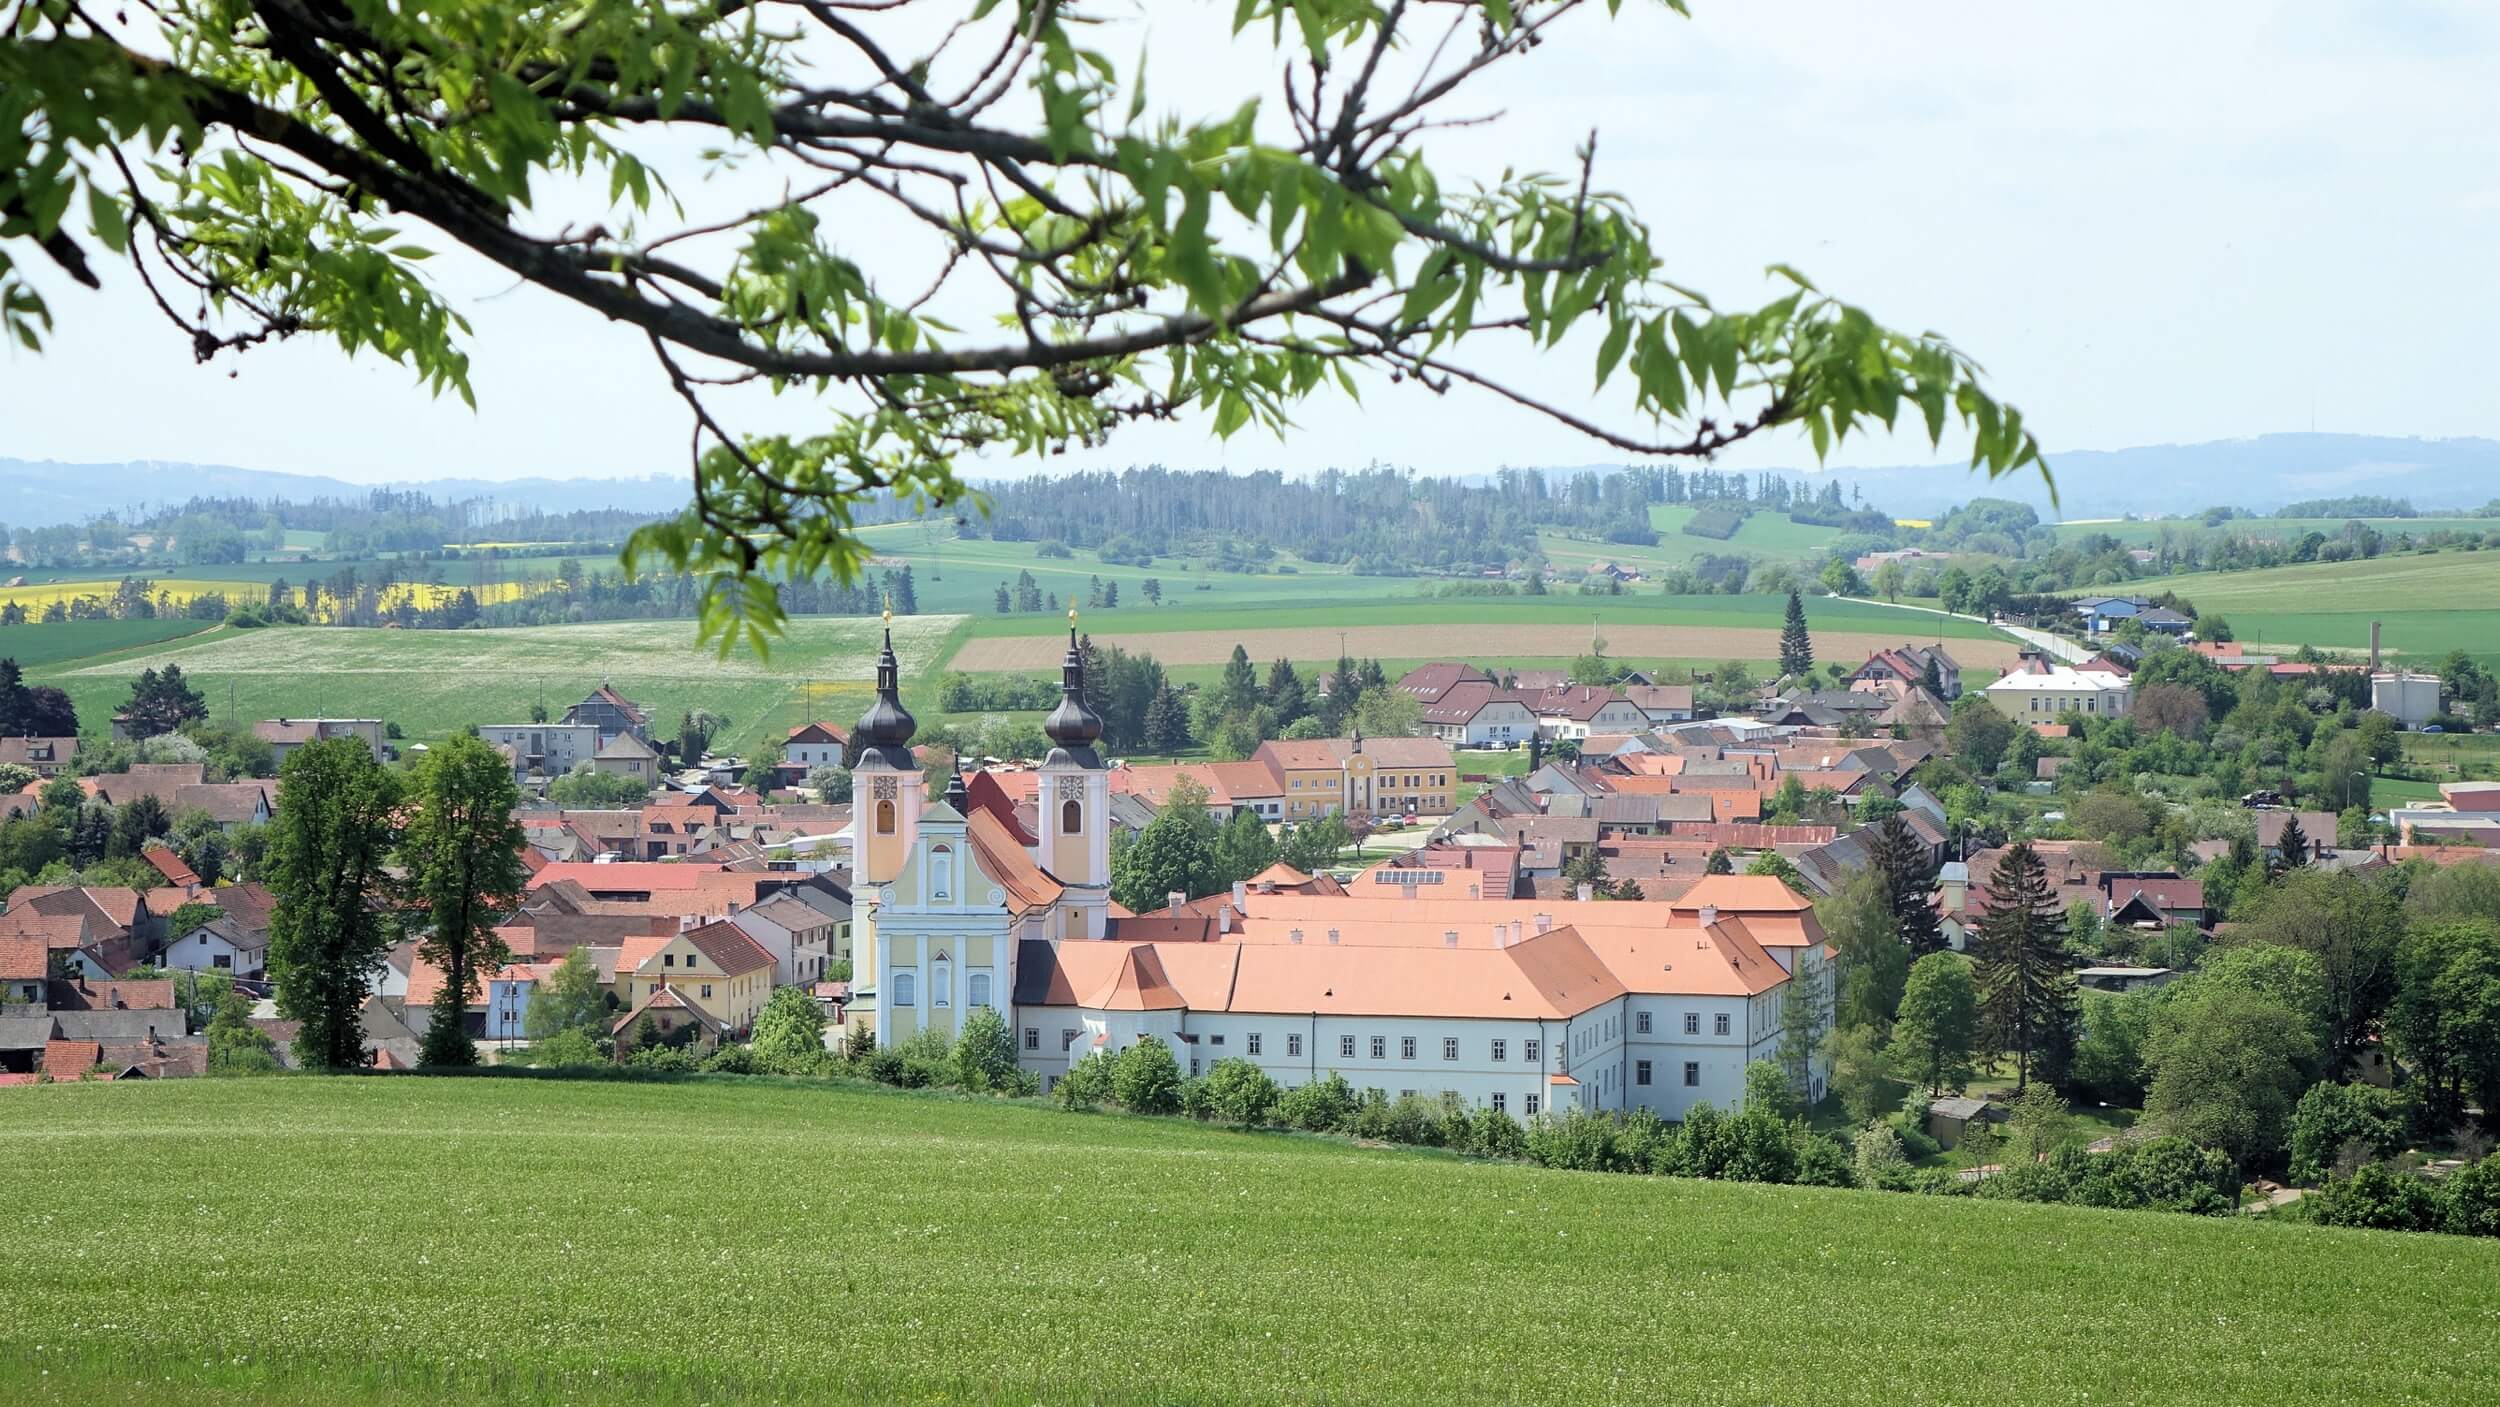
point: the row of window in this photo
(941, 992)
(1692, 1073)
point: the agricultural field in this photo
(431, 682)
(1766, 536)
(2427, 604)
(2148, 532)
(420, 1240)
(1515, 630)
(962, 575)
(36, 645)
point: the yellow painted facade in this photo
(734, 999)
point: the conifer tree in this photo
(2026, 991)
(1909, 882)
(1796, 647)
(1238, 690)
(2292, 848)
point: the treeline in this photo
(1376, 521)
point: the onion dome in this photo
(1073, 726)
(885, 730)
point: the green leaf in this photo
(111, 225)
(1611, 350)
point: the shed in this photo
(1948, 1117)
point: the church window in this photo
(979, 995)
(885, 818)
(1071, 817)
(941, 872)
(941, 992)
(905, 985)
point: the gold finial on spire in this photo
(1071, 617)
(889, 608)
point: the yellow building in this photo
(1362, 776)
(717, 967)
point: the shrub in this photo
(1881, 1164)
(2380, 1199)
(1196, 1103)
(1371, 1115)
(1822, 1161)
(1147, 1078)
(985, 1051)
(2163, 1174)
(928, 1061)
(1495, 1134)
(884, 1064)
(567, 1049)
(2330, 1119)
(1239, 1092)
(1579, 1140)
(789, 1033)
(1321, 1106)
(732, 1060)
(661, 1058)
(1416, 1120)
(1087, 1084)
(2473, 1198)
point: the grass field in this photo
(2146, 534)
(406, 1240)
(37, 644)
(1765, 536)
(962, 575)
(431, 682)
(2427, 605)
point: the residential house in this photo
(1577, 710)
(1909, 664)
(1662, 703)
(810, 746)
(25, 969)
(104, 929)
(46, 757)
(626, 755)
(220, 945)
(229, 804)
(803, 938)
(714, 964)
(285, 735)
(542, 749)
(1429, 682)
(671, 1010)
(612, 714)
(1479, 713)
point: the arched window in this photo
(885, 818)
(941, 991)
(941, 872)
(1071, 817)
(979, 993)
(904, 985)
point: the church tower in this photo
(1074, 826)
(887, 788)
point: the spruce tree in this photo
(2026, 991)
(1909, 882)
(1238, 690)
(1167, 723)
(1796, 647)
(2292, 848)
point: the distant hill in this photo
(2260, 474)
(38, 493)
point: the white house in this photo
(1478, 712)
(543, 749)
(2040, 695)
(219, 945)
(800, 936)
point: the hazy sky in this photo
(2154, 222)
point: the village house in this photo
(1910, 664)
(542, 749)
(45, 757)
(285, 735)
(611, 714)
(1360, 776)
(802, 931)
(2042, 692)
(809, 746)
(716, 965)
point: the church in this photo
(1525, 1006)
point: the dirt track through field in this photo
(1632, 643)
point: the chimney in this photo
(1709, 914)
(1449, 938)
(1587, 892)
(1332, 935)
(1241, 895)
(1223, 920)
(1175, 899)
(1294, 937)
(2374, 647)
(1543, 922)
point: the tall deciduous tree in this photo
(1174, 854)
(2445, 1019)
(2027, 992)
(568, 998)
(1796, 646)
(2353, 925)
(327, 929)
(1939, 1023)
(1874, 966)
(790, 1033)
(1144, 261)
(462, 852)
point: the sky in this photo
(2153, 222)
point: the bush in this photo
(984, 1057)
(884, 1064)
(928, 1061)
(1579, 1140)
(789, 1034)
(2332, 1119)
(1822, 1161)
(1418, 1121)
(2380, 1199)
(2473, 1197)
(1495, 1134)
(1147, 1079)
(2163, 1174)
(733, 1060)
(1322, 1106)
(1881, 1164)
(661, 1059)
(1239, 1092)
(1087, 1084)
(567, 1049)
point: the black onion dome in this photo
(1073, 726)
(885, 730)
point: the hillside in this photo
(2426, 605)
(508, 1240)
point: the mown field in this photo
(1766, 537)
(400, 1239)
(962, 575)
(431, 682)
(2427, 605)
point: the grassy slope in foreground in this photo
(380, 1239)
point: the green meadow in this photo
(2426, 603)
(431, 682)
(405, 1239)
(37, 644)
(2148, 533)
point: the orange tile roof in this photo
(628, 874)
(1136, 983)
(1549, 977)
(67, 1060)
(24, 957)
(726, 946)
(633, 953)
(1006, 862)
(169, 865)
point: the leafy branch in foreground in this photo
(255, 161)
